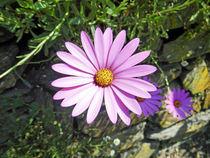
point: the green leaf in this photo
(41, 5)
(19, 34)
(25, 3)
(75, 21)
(110, 4)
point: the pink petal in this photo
(122, 111)
(128, 100)
(75, 50)
(99, 47)
(108, 38)
(95, 106)
(142, 84)
(68, 92)
(69, 101)
(71, 81)
(125, 53)
(75, 62)
(133, 60)
(110, 104)
(84, 103)
(79, 53)
(116, 47)
(130, 88)
(89, 48)
(136, 71)
(69, 70)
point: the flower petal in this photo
(99, 47)
(74, 99)
(95, 106)
(136, 71)
(89, 48)
(116, 47)
(125, 53)
(142, 84)
(84, 103)
(123, 111)
(79, 53)
(152, 106)
(154, 102)
(68, 92)
(133, 60)
(71, 81)
(108, 38)
(75, 62)
(110, 104)
(69, 70)
(128, 87)
(128, 100)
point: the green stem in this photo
(161, 70)
(37, 49)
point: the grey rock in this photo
(172, 71)
(7, 58)
(183, 129)
(102, 126)
(186, 46)
(144, 150)
(5, 35)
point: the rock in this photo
(198, 79)
(103, 126)
(7, 57)
(44, 76)
(131, 136)
(189, 45)
(171, 70)
(5, 35)
(173, 21)
(183, 129)
(147, 149)
(207, 99)
(164, 119)
(196, 146)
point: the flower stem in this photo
(161, 70)
(37, 49)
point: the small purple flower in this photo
(149, 104)
(178, 102)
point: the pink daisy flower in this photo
(149, 104)
(178, 102)
(105, 71)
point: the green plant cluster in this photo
(51, 22)
(30, 130)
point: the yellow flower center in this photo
(177, 103)
(140, 99)
(104, 77)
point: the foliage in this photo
(140, 18)
(30, 130)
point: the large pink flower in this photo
(104, 71)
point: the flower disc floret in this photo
(104, 77)
(140, 99)
(177, 103)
